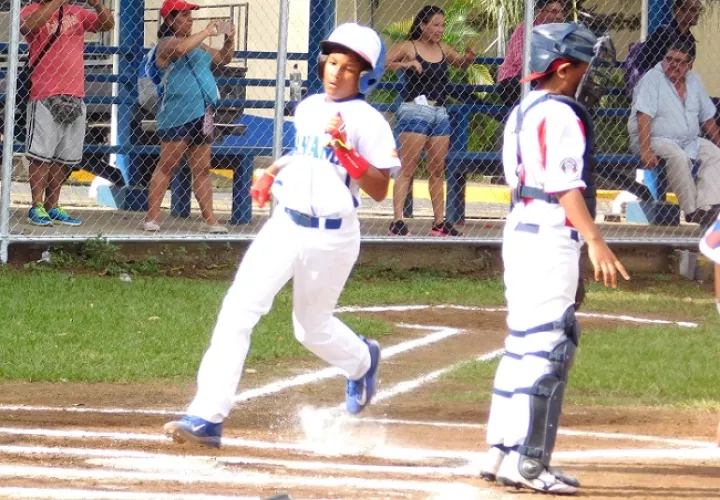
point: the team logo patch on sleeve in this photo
(569, 166)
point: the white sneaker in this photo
(151, 226)
(215, 229)
(509, 475)
(493, 459)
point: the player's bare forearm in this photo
(577, 213)
(375, 183)
(605, 264)
(272, 170)
(37, 19)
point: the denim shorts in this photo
(432, 121)
(190, 132)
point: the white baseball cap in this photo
(362, 40)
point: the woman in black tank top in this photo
(423, 122)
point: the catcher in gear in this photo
(342, 145)
(547, 156)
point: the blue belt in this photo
(303, 220)
(535, 229)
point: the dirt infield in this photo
(288, 433)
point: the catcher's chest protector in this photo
(588, 175)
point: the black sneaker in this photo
(444, 229)
(705, 218)
(399, 228)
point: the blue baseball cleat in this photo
(194, 430)
(360, 392)
(60, 216)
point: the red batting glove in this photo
(348, 157)
(260, 191)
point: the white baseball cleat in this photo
(509, 475)
(491, 465)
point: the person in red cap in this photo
(185, 114)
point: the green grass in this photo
(629, 365)
(81, 327)
(86, 328)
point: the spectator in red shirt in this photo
(510, 71)
(56, 112)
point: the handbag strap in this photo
(48, 44)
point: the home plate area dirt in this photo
(288, 432)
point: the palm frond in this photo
(398, 31)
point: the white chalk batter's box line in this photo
(698, 449)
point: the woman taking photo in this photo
(422, 120)
(185, 115)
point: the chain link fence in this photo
(115, 159)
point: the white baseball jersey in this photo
(314, 182)
(552, 143)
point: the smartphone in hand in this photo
(224, 27)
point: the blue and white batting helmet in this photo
(568, 41)
(364, 42)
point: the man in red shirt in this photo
(510, 71)
(56, 113)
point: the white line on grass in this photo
(618, 317)
(224, 477)
(439, 333)
(77, 494)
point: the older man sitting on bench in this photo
(670, 105)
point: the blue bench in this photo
(657, 210)
(235, 153)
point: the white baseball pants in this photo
(319, 261)
(541, 277)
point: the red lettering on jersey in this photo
(541, 142)
(582, 127)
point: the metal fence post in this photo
(529, 19)
(9, 132)
(280, 84)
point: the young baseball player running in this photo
(342, 144)
(547, 156)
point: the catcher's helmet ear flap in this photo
(370, 79)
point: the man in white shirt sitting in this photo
(670, 105)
